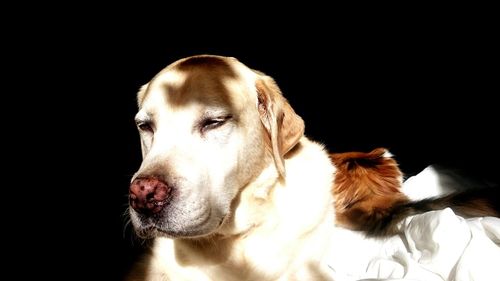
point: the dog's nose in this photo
(148, 195)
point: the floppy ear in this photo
(283, 126)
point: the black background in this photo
(424, 90)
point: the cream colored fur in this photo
(263, 189)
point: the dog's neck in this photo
(258, 201)
(243, 217)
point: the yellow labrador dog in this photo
(229, 187)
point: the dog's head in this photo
(208, 126)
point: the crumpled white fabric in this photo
(437, 245)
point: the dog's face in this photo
(206, 125)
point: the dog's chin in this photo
(151, 231)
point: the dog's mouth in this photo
(157, 226)
(154, 232)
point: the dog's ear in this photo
(283, 126)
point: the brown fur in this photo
(368, 197)
(366, 186)
(283, 126)
(194, 67)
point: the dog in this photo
(230, 188)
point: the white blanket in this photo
(436, 245)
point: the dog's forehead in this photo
(201, 79)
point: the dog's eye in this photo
(144, 126)
(212, 123)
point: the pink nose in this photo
(148, 195)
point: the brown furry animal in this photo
(368, 197)
(366, 187)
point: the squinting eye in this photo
(144, 126)
(212, 123)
